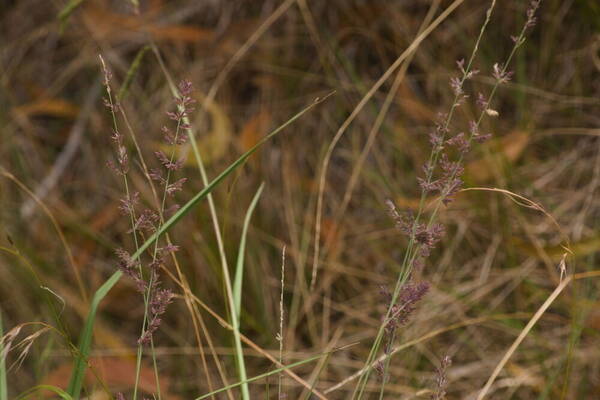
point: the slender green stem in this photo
(132, 218)
(151, 280)
(155, 368)
(386, 368)
(518, 43)
(266, 374)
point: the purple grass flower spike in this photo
(400, 312)
(158, 306)
(172, 165)
(175, 187)
(130, 268)
(461, 142)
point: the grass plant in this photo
(427, 228)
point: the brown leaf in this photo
(181, 33)
(117, 373)
(412, 106)
(53, 107)
(331, 235)
(253, 130)
(581, 248)
(106, 24)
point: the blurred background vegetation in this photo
(496, 266)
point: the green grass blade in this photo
(237, 296)
(66, 12)
(3, 384)
(61, 393)
(239, 269)
(135, 65)
(261, 376)
(76, 382)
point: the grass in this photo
(237, 295)
(513, 312)
(3, 381)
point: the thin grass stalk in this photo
(266, 374)
(323, 174)
(151, 281)
(412, 249)
(523, 334)
(379, 121)
(155, 368)
(280, 334)
(386, 369)
(423, 338)
(411, 252)
(321, 364)
(191, 307)
(75, 383)
(146, 295)
(135, 65)
(211, 204)
(249, 342)
(65, 13)
(3, 382)
(518, 43)
(313, 384)
(382, 113)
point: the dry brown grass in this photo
(254, 64)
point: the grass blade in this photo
(61, 393)
(76, 381)
(3, 384)
(237, 296)
(257, 377)
(239, 270)
(135, 65)
(66, 12)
